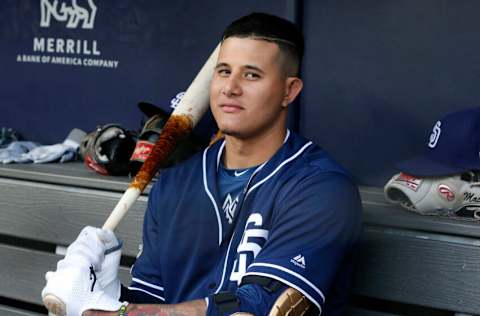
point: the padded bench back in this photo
(404, 258)
(419, 261)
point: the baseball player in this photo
(261, 222)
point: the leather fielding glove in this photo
(453, 196)
(87, 277)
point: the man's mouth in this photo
(231, 108)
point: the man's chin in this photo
(231, 132)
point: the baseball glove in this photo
(456, 196)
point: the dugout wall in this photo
(377, 73)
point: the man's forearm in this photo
(192, 308)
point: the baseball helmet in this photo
(107, 150)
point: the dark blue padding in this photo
(379, 74)
(160, 46)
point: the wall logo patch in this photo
(72, 51)
(74, 15)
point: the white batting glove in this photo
(108, 273)
(87, 277)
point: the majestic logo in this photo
(446, 192)
(229, 206)
(73, 14)
(435, 135)
(252, 241)
(299, 261)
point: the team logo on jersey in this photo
(72, 15)
(252, 242)
(229, 206)
(299, 261)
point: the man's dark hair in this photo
(273, 29)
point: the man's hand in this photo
(87, 277)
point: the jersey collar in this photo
(291, 150)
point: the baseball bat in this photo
(185, 116)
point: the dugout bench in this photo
(408, 264)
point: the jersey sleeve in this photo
(316, 222)
(146, 275)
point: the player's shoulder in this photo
(315, 160)
(179, 172)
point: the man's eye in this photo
(223, 72)
(251, 75)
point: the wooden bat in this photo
(186, 115)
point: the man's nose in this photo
(232, 86)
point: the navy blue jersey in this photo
(297, 221)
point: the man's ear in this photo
(293, 86)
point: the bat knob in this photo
(55, 305)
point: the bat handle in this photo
(126, 201)
(55, 305)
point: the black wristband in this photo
(226, 303)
